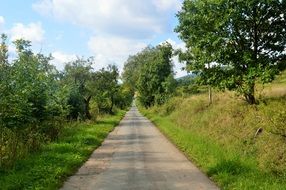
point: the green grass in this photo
(219, 138)
(228, 168)
(50, 167)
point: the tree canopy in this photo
(150, 73)
(37, 99)
(233, 44)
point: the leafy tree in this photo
(124, 96)
(35, 98)
(77, 75)
(131, 71)
(26, 89)
(156, 75)
(133, 66)
(243, 41)
(3, 50)
(4, 68)
(105, 87)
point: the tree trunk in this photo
(210, 95)
(249, 96)
(87, 113)
(112, 103)
(1, 144)
(210, 89)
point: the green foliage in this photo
(99, 87)
(188, 85)
(105, 87)
(233, 44)
(150, 74)
(77, 76)
(237, 145)
(124, 96)
(16, 145)
(3, 51)
(36, 99)
(220, 138)
(27, 89)
(50, 167)
(76, 104)
(132, 68)
(156, 82)
(30, 103)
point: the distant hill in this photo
(188, 76)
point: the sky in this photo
(108, 30)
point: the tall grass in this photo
(49, 167)
(239, 146)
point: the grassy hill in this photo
(237, 145)
(275, 89)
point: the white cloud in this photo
(179, 72)
(33, 32)
(164, 5)
(177, 65)
(60, 59)
(113, 50)
(44, 7)
(132, 18)
(119, 27)
(176, 45)
(2, 22)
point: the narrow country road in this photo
(137, 156)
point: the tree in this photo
(133, 66)
(156, 75)
(36, 98)
(28, 88)
(124, 96)
(244, 41)
(105, 87)
(131, 71)
(3, 50)
(77, 75)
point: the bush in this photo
(16, 144)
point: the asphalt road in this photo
(137, 156)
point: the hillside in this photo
(239, 146)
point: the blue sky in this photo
(109, 30)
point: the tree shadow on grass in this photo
(106, 122)
(232, 167)
(228, 171)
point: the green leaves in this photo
(77, 76)
(105, 85)
(156, 82)
(26, 87)
(246, 38)
(35, 98)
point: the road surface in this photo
(137, 156)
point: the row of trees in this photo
(150, 74)
(33, 90)
(36, 98)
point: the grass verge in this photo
(50, 167)
(219, 139)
